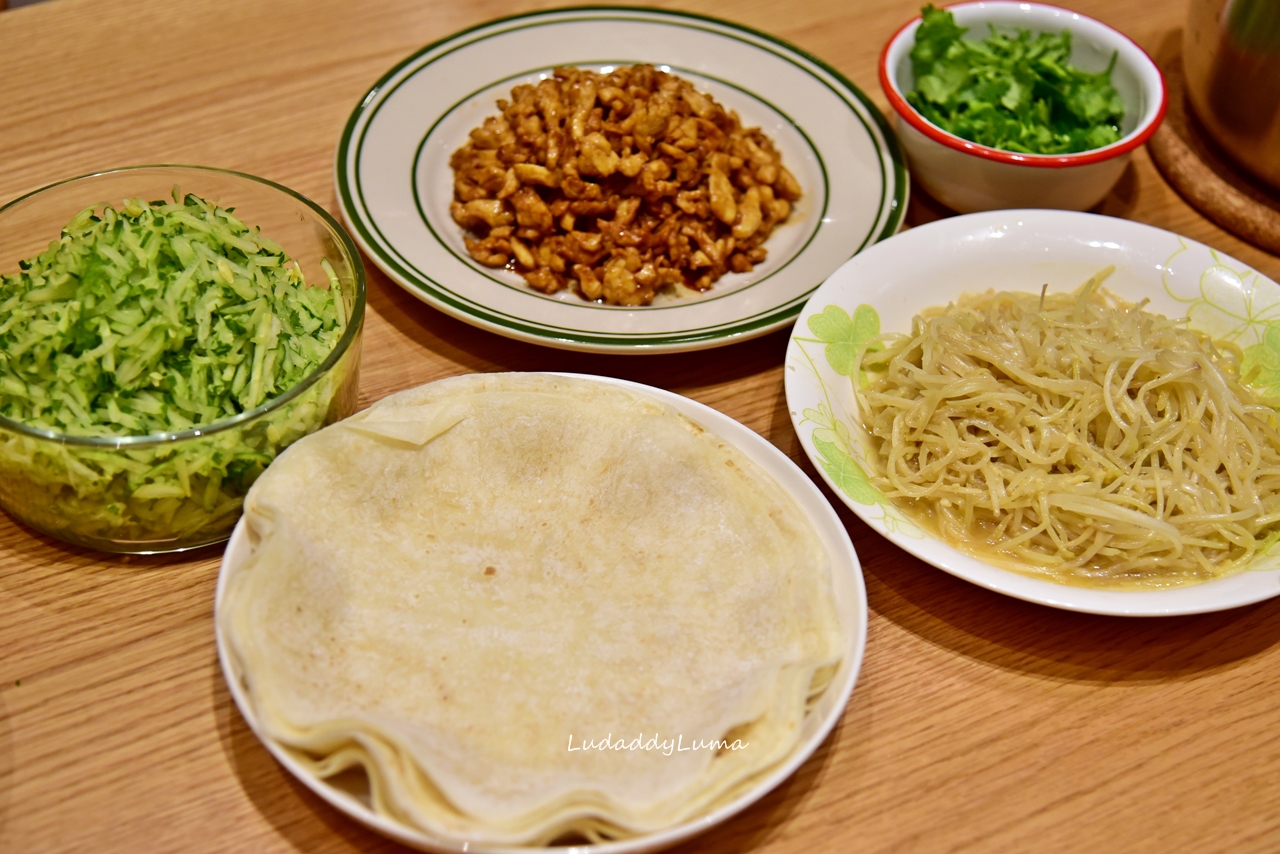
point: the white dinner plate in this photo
(1016, 250)
(349, 796)
(395, 183)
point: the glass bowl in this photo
(174, 491)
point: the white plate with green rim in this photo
(883, 288)
(395, 184)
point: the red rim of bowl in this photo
(1051, 161)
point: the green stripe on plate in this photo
(379, 246)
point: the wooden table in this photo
(980, 723)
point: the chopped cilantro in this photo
(1016, 93)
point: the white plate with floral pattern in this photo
(884, 287)
(395, 182)
(350, 794)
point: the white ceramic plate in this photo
(1015, 250)
(851, 607)
(395, 184)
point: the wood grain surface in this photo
(979, 724)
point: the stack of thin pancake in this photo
(471, 586)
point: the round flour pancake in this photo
(530, 607)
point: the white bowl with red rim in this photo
(970, 177)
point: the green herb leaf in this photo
(1015, 92)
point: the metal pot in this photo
(1231, 58)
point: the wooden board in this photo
(1205, 177)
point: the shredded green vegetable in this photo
(154, 319)
(1016, 93)
(158, 318)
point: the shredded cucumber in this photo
(159, 318)
(156, 319)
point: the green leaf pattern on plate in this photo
(1262, 363)
(1229, 306)
(844, 335)
(834, 444)
(840, 454)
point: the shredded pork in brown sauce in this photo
(618, 185)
